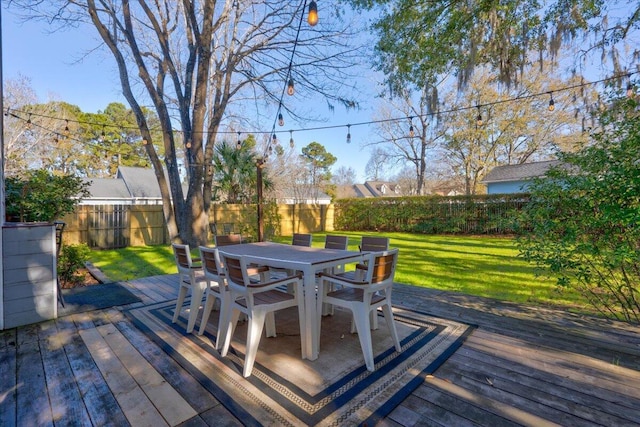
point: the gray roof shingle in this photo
(520, 172)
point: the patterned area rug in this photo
(336, 389)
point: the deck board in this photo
(521, 366)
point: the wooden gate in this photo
(108, 226)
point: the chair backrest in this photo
(182, 255)
(300, 239)
(228, 239)
(382, 266)
(210, 261)
(374, 244)
(235, 270)
(336, 242)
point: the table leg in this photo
(310, 338)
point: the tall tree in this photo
(409, 142)
(344, 175)
(420, 41)
(194, 59)
(494, 133)
(319, 162)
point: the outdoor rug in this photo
(95, 297)
(336, 389)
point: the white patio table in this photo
(309, 261)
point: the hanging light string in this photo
(286, 88)
(22, 115)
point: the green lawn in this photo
(483, 266)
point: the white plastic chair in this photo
(363, 297)
(191, 278)
(259, 301)
(216, 290)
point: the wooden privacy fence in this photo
(118, 226)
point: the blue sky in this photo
(62, 66)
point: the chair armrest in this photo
(361, 266)
(341, 280)
(275, 283)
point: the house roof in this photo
(107, 188)
(141, 182)
(369, 189)
(519, 172)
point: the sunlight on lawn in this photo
(482, 266)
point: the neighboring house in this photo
(305, 195)
(369, 189)
(139, 186)
(511, 179)
(131, 186)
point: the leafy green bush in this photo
(42, 196)
(484, 214)
(72, 258)
(582, 224)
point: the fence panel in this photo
(108, 226)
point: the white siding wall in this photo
(29, 258)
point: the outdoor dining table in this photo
(309, 261)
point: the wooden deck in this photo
(521, 366)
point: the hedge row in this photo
(484, 214)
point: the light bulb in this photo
(291, 143)
(552, 104)
(280, 119)
(479, 121)
(313, 13)
(629, 90)
(290, 88)
(348, 134)
(411, 132)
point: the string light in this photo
(275, 141)
(479, 121)
(411, 132)
(630, 91)
(28, 121)
(291, 143)
(552, 104)
(581, 86)
(239, 143)
(290, 89)
(313, 13)
(348, 134)
(280, 119)
(66, 129)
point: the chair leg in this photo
(271, 324)
(229, 326)
(363, 327)
(225, 306)
(208, 306)
(196, 300)
(388, 317)
(182, 294)
(254, 332)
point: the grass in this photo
(482, 266)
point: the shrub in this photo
(582, 224)
(72, 258)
